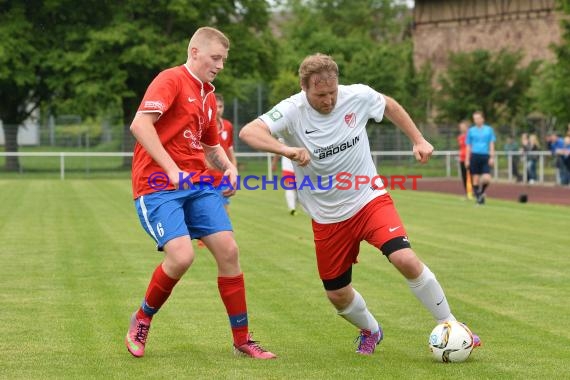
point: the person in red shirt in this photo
(463, 127)
(176, 130)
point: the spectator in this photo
(563, 155)
(533, 147)
(512, 146)
(556, 147)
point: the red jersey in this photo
(187, 110)
(226, 135)
(462, 146)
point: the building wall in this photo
(444, 26)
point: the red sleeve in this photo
(230, 129)
(210, 135)
(160, 93)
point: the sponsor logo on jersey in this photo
(350, 119)
(333, 149)
(274, 114)
(154, 105)
(194, 140)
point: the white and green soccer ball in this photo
(451, 342)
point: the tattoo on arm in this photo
(217, 159)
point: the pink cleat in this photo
(369, 341)
(476, 341)
(252, 349)
(136, 336)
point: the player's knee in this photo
(229, 253)
(184, 262)
(341, 298)
(179, 254)
(406, 261)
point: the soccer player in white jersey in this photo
(324, 129)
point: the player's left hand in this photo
(422, 151)
(232, 174)
(491, 161)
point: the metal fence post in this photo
(62, 165)
(510, 166)
(541, 170)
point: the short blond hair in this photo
(207, 34)
(317, 64)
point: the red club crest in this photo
(350, 119)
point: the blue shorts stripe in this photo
(145, 215)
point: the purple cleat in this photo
(368, 341)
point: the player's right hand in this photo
(299, 155)
(175, 176)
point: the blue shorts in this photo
(479, 164)
(166, 215)
(225, 200)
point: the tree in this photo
(58, 53)
(21, 86)
(369, 39)
(479, 80)
(118, 61)
(35, 37)
(551, 89)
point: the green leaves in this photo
(481, 80)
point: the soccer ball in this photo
(451, 342)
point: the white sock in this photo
(357, 313)
(291, 198)
(428, 290)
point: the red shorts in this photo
(290, 177)
(337, 244)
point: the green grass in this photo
(74, 264)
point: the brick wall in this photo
(441, 27)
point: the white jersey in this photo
(339, 148)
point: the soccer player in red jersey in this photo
(324, 129)
(175, 128)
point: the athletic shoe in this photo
(368, 341)
(476, 341)
(137, 334)
(481, 199)
(252, 349)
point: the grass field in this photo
(74, 264)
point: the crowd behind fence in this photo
(443, 164)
